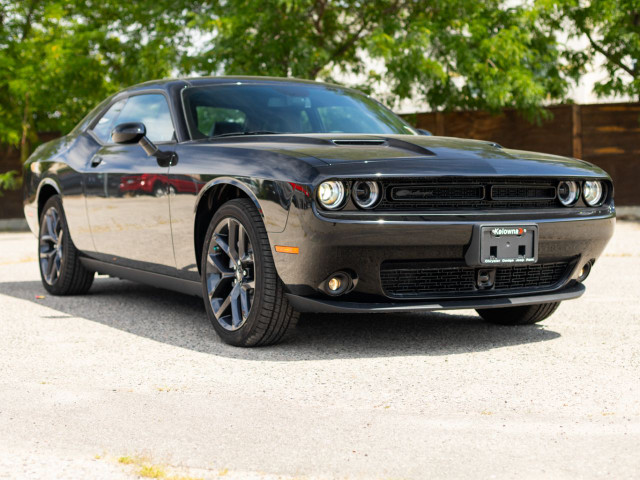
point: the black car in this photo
(272, 197)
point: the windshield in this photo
(237, 109)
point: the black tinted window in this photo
(106, 123)
(214, 120)
(226, 109)
(153, 111)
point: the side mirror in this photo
(135, 132)
(422, 131)
(127, 133)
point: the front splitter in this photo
(314, 305)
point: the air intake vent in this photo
(360, 143)
(419, 279)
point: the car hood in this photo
(353, 155)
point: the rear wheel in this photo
(60, 267)
(524, 315)
(244, 297)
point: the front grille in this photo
(431, 194)
(518, 192)
(530, 276)
(406, 281)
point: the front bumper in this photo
(361, 245)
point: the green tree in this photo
(58, 59)
(612, 29)
(449, 53)
(9, 181)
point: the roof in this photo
(211, 80)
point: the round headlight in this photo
(592, 192)
(366, 194)
(568, 192)
(331, 194)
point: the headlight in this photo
(592, 193)
(366, 194)
(331, 194)
(568, 192)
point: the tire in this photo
(60, 268)
(525, 315)
(158, 190)
(245, 301)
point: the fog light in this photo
(584, 271)
(334, 284)
(339, 283)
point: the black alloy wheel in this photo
(244, 297)
(230, 274)
(61, 271)
(51, 240)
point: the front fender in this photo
(272, 198)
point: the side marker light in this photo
(285, 249)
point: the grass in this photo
(152, 471)
(146, 469)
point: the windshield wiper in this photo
(255, 132)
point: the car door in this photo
(126, 190)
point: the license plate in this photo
(508, 244)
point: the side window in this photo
(153, 111)
(105, 125)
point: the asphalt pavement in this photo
(132, 381)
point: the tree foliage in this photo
(9, 181)
(60, 58)
(449, 53)
(612, 30)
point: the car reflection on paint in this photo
(157, 185)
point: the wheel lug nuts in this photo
(244, 273)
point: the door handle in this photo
(95, 161)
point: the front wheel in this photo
(525, 315)
(244, 297)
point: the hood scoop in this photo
(368, 142)
(382, 142)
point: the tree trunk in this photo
(24, 141)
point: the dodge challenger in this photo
(269, 197)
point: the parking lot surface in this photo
(131, 380)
